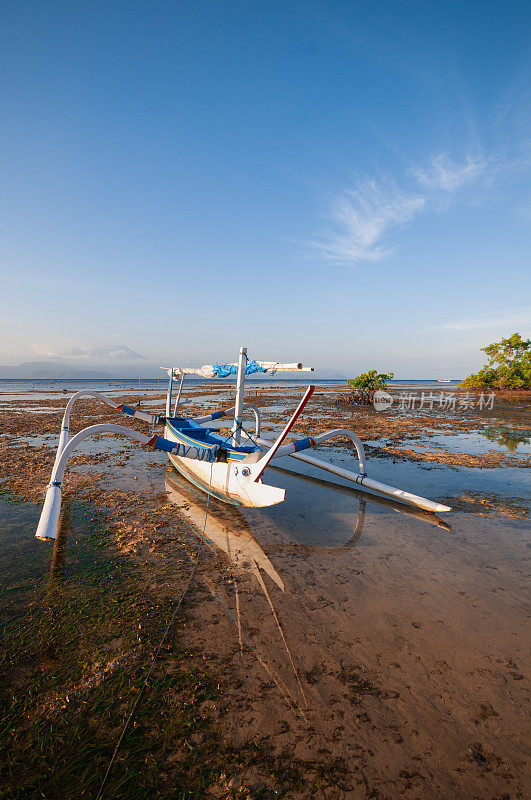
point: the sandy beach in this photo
(359, 651)
(321, 209)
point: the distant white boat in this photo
(444, 380)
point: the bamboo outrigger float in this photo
(229, 468)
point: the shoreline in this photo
(401, 649)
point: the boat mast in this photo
(178, 400)
(168, 395)
(238, 409)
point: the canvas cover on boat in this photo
(226, 370)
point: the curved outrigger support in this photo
(360, 478)
(49, 519)
(313, 441)
(128, 411)
(64, 436)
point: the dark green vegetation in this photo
(509, 366)
(79, 631)
(371, 380)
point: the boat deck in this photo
(191, 433)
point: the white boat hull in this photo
(232, 483)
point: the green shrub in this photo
(370, 380)
(509, 366)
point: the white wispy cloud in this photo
(116, 353)
(361, 220)
(364, 218)
(519, 319)
(444, 174)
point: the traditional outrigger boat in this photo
(229, 468)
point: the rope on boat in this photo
(157, 651)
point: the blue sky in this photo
(342, 183)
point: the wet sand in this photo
(347, 633)
(401, 655)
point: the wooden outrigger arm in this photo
(313, 441)
(359, 478)
(363, 496)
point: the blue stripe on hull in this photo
(232, 455)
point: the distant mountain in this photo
(49, 370)
(56, 370)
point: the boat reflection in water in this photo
(329, 525)
(352, 531)
(57, 566)
(335, 521)
(226, 527)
